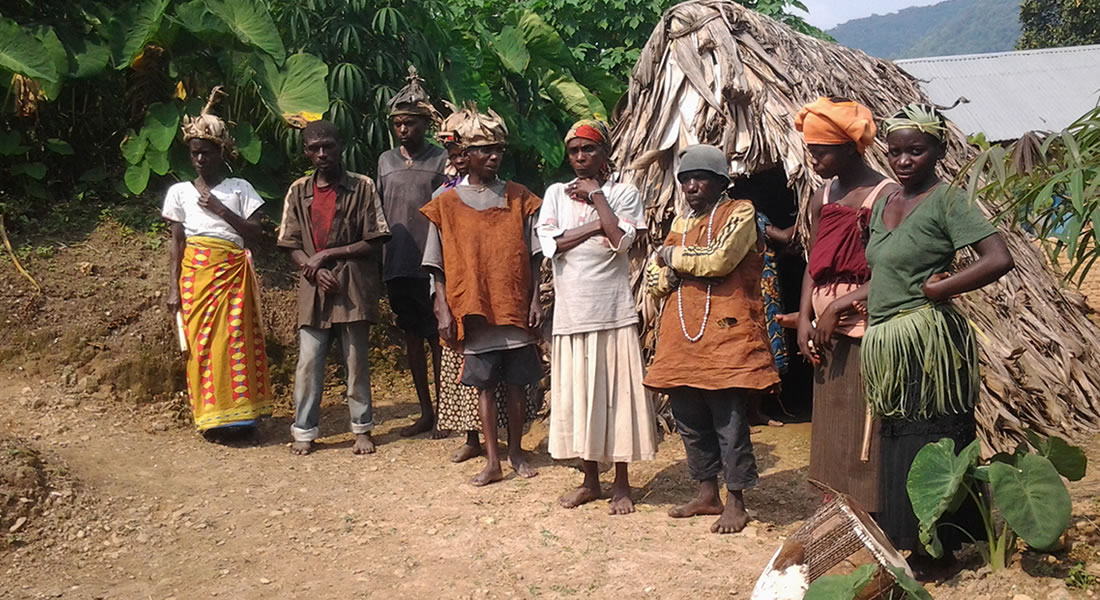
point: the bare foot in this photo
(439, 434)
(734, 518)
(422, 425)
(774, 423)
(579, 496)
(301, 448)
(697, 506)
(363, 444)
(490, 474)
(620, 505)
(521, 466)
(465, 452)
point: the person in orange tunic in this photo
(712, 347)
(485, 262)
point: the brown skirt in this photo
(458, 403)
(838, 420)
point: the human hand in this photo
(788, 320)
(327, 281)
(535, 314)
(314, 263)
(209, 202)
(445, 321)
(824, 329)
(933, 288)
(805, 333)
(582, 189)
(860, 306)
(664, 256)
(173, 302)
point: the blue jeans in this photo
(309, 377)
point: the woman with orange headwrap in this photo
(837, 133)
(599, 410)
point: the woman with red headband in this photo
(599, 410)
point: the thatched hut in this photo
(715, 72)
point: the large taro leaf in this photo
(21, 53)
(133, 28)
(58, 56)
(1032, 499)
(161, 121)
(937, 484)
(463, 80)
(249, 145)
(510, 48)
(1070, 461)
(195, 17)
(572, 97)
(90, 58)
(547, 140)
(912, 588)
(133, 147)
(296, 93)
(252, 24)
(543, 41)
(841, 587)
(137, 178)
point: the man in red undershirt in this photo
(334, 227)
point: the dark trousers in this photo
(715, 428)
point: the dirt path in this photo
(173, 516)
(165, 515)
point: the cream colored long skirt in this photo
(599, 409)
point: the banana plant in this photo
(1022, 491)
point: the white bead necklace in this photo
(680, 292)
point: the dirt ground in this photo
(106, 492)
(130, 513)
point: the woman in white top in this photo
(599, 410)
(213, 286)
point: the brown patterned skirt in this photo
(458, 403)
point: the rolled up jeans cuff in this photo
(305, 435)
(358, 428)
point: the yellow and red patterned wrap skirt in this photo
(227, 375)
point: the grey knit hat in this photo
(704, 158)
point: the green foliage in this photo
(841, 587)
(22, 53)
(1080, 578)
(1026, 488)
(945, 28)
(1032, 499)
(936, 485)
(1050, 185)
(1056, 23)
(252, 25)
(296, 92)
(123, 74)
(852, 585)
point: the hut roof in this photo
(715, 72)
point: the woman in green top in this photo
(919, 355)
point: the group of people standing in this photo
(458, 251)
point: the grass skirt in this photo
(921, 363)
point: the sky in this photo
(829, 13)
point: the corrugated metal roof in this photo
(1011, 93)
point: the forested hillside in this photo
(951, 27)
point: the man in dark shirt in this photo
(407, 176)
(334, 228)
